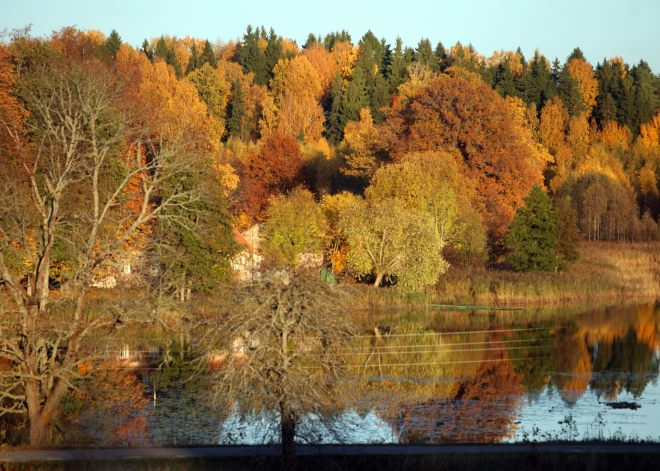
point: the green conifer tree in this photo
(334, 129)
(354, 98)
(252, 58)
(396, 71)
(274, 52)
(237, 114)
(113, 43)
(208, 56)
(440, 54)
(193, 62)
(424, 55)
(646, 97)
(504, 82)
(569, 92)
(147, 49)
(161, 49)
(533, 234)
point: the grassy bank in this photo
(606, 272)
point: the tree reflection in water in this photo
(425, 386)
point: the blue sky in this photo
(601, 28)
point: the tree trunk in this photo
(379, 279)
(38, 429)
(288, 430)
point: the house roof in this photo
(242, 240)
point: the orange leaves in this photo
(583, 73)
(11, 113)
(326, 67)
(276, 168)
(498, 151)
(613, 134)
(650, 133)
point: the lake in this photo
(478, 377)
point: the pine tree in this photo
(569, 92)
(576, 54)
(208, 56)
(274, 52)
(440, 55)
(332, 38)
(236, 113)
(380, 98)
(161, 49)
(147, 49)
(171, 59)
(610, 89)
(503, 81)
(193, 62)
(605, 109)
(334, 129)
(538, 84)
(113, 43)
(252, 58)
(424, 55)
(646, 99)
(533, 234)
(354, 98)
(396, 71)
(311, 40)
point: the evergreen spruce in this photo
(569, 92)
(533, 234)
(311, 40)
(424, 55)
(380, 98)
(170, 59)
(161, 49)
(440, 55)
(396, 71)
(208, 56)
(354, 98)
(504, 82)
(252, 58)
(147, 49)
(274, 52)
(646, 100)
(538, 84)
(236, 113)
(113, 43)
(193, 62)
(334, 129)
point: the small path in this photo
(311, 450)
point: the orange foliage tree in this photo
(276, 168)
(468, 115)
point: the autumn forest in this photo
(182, 168)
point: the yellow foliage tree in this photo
(583, 73)
(297, 90)
(345, 55)
(359, 146)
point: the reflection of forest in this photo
(451, 386)
(470, 386)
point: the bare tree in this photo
(284, 342)
(64, 208)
